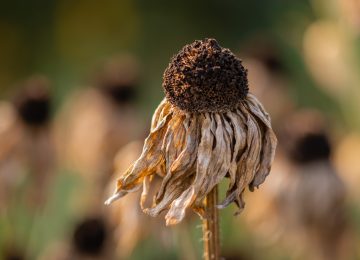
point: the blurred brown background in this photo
(79, 81)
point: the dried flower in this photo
(207, 128)
(27, 141)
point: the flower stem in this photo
(211, 227)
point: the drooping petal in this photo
(258, 109)
(150, 158)
(269, 141)
(220, 157)
(211, 167)
(173, 190)
(161, 111)
(178, 176)
(239, 134)
(173, 141)
(254, 141)
(178, 206)
(183, 165)
(248, 162)
(146, 186)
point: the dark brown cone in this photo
(204, 77)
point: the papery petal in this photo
(269, 142)
(150, 158)
(183, 165)
(248, 163)
(173, 141)
(156, 116)
(173, 190)
(239, 134)
(178, 206)
(220, 158)
(145, 192)
(211, 168)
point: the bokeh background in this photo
(79, 81)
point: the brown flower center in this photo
(204, 77)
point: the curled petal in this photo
(173, 141)
(178, 206)
(269, 142)
(150, 158)
(173, 191)
(239, 134)
(193, 152)
(211, 168)
(156, 115)
(145, 192)
(185, 161)
(257, 109)
(248, 163)
(161, 111)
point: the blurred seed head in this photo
(304, 137)
(266, 52)
(33, 102)
(311, 147)
(118, 79)
(90, 235)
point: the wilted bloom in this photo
(207, 128)
(26, 141)
(311, 199)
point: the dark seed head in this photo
(89, 236)
(204, 77)
(120, 93)
(310, 148)
(33, 102)
(118, 79)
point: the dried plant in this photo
(26, 142)
(207, 128)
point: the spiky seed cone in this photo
(204, 77)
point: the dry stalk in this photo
(211, 227)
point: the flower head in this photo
(33, 103)
(204, 77)
(207, 128)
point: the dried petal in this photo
(239, 135)
(193, 152)
(269, 142)
(248, 163)
(156, 117)
(150, 158)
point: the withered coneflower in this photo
(207, 128)
(315, 198)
